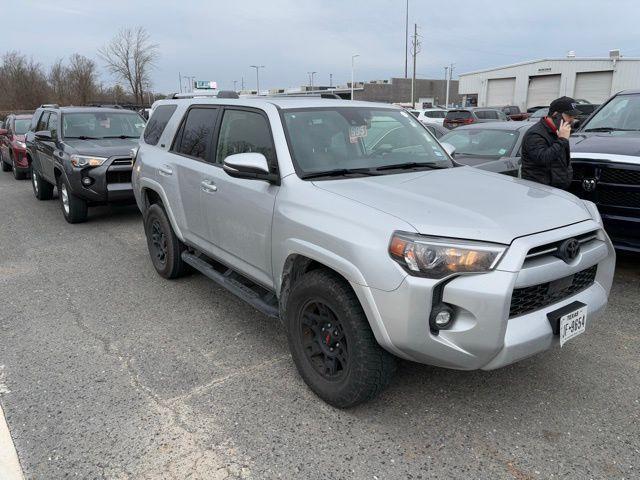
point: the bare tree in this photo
(59, 82)
(82, 79)
(23, 83)
(130, 56)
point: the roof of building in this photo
(565, 59)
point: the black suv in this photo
(86, 152)
(605, 155)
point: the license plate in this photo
(572, 324)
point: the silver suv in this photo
(354, 226)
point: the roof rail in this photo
(208, 94)
(329, 95)
(49, 105)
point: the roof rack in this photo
(328, 95)
(49, 105)
(208, 94)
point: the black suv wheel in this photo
(331, 341)
(42, 189)
(74, 208)
(164, 246)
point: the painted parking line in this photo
(9, 464)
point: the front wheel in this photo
(165, 248)
(331, 341)
(18, 175)
(74, 208)
(42, 189)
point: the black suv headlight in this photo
(81, 161)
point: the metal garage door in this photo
(500, 92)
(593, 86)
(543, 90)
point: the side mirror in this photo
(3, 131)
(450, 149)
(250, 166)
(43, 135)
(575, 126)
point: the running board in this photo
(258, 297)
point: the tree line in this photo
(130, 57)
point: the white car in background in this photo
(429, 115)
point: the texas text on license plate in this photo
(572, 324)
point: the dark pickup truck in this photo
(514, 113)
(605, 155)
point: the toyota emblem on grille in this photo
(568, 250)
(589, 184)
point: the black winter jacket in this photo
(545, 157)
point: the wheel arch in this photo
(151, 193)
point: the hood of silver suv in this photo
(464, 203)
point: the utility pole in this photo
(406, 41)
(353, 59)
(311, 74)
(235, 85)
(242, 83)
(448, 82)
(180, 81)
(330, 80)
(416, 50)
(257, 67)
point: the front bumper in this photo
(482, 335)
(110, 182)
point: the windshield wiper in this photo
(610, 129)
(121, 136)
(407, 165)
(339, 172)
(84, 137)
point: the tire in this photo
(165, 248)
(16, 174)
(5, 166)
(74, 208)
(42, 189)
(331, 341)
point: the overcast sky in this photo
(218, 40)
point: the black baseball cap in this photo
(564, 105)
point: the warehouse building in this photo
(538, 82)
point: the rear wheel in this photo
(42, 189)
(331, 341)
(165, 248)
(74, 208)
(5, 166)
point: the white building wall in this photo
(626, 75)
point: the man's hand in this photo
(565, 130)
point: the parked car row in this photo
(13, 151)
(353, 224)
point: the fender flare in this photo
(149, 184)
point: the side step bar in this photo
(255, 295)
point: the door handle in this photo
(208, 186)
(166, 171)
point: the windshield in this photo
(621, 113)
(102, 125)
(482, 142)
(458, 115)
(543, 112)
(21, 125)
(326, 139)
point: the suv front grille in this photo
(620, 176)
(552, 248)
(118, 176)
(620, 198)
(528, 299)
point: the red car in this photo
(13, 152)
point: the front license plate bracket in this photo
(554, 317)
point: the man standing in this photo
(545, 147)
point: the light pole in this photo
(353, 63)
(311, 74)
(257, 67)
(448, 82)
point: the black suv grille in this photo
(528, 299)
(619, 176)
(118, 176)
(620, 198)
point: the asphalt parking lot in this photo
(109, 371)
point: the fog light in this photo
(86, 181)
(441, 318)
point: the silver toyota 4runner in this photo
(354, 226)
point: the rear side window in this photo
(241, 132)
(435, 114)
(458, 115)
(157, 123)
(487, 114)
(196, 133)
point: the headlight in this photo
(440, 257)
(20, 144)
(593, 211)
(86, 161)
